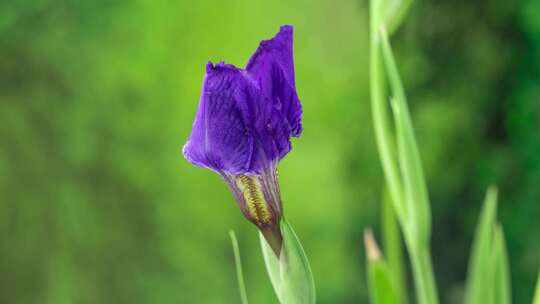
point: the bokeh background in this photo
(97, 204)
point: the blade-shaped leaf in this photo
(502, 288)
(290, 274)
(381, 121)
(239, 273)
(480, 281)
(382, 287)
(417, 223)
(393, 247)
(416, 196)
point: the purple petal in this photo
(220, 138)
(272, 68)
(236, 129)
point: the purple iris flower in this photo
(243, 127)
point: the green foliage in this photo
(381, 122)
(480, 280)
(239, 272)
(536, 299)
(502, 288)
(290, 274)
(382, 291)
(393, 247)
(488, 280)
(383, 287)
(415, 196)
(407, 188)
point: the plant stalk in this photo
(426, 292)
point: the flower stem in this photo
(426, 292)
(239, 273)
(410, 203)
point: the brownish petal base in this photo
(273, 238)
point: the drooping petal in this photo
(220, 138)
(272, 67)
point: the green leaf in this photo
(382, 287)
(381, 122)
(393, 247)
(416, 196)
(536, 299)
(502, 288)
(239, 273)
(416, 222)
(393, 12)
(290, 274)
(480, 281)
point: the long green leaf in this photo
(480, 281)
(417, 225)
(239, 273)
(393, 247)
(536, 299)
(502, 290)
(290, 274)
(382, 287)
(379, 105)
(409, 157)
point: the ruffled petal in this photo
(246, 117)
(236, 129)
(272, 68)
(220, 138)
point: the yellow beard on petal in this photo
(256, 204)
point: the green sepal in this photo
(289, 273)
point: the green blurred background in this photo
(97, 204)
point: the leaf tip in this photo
(492, 192)
(373, 253)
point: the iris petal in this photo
(221, 139)
(272, 67)
(246, 117)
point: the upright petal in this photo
(272, 68)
